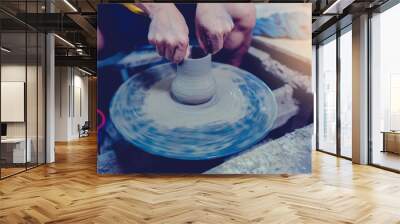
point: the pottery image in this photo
(242, 105)
(194, 82)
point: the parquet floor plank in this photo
(70, 191)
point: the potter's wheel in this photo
(238, 116)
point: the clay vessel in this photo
(194, 82)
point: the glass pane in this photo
(23, 89)
(327, 97)
(41, 98)
(31, 100)
(13, 86)
(31, 87)
(346, 94)
(386, 89)
(314, 85)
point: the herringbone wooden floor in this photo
(70, 191)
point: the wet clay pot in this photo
(194, 83)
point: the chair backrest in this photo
(86, 124)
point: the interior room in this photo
(22, 102)
(72, 105)
(384, 89)
(88, 92)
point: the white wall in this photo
(33, 127)
(62, 81)
(16, 72)
(12, 101)
(70, 83)
(13, 72)
(79, 117)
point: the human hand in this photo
(168, 32)
(213, 24)
(100, 40)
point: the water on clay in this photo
(238, 116)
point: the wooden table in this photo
(391, 141)
(13, 150)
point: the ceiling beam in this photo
(337, 7)
(86, 26)
(81, 61)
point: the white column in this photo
(360, 90)
(50, 100)
(314, 89)
(50, 93)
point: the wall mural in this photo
(213, 88)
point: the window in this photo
(385, 89)
(327, 96)
(346, 93)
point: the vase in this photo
(194, 82)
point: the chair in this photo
(84, 130)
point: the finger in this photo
(179, 54)
(217, 42)
(188, 50)
(152, 39)
(202, 40)
(161, 49)
(100, 41)
(225, 36)
(208, 43)
(169, 52)
(229, 29)
(231, 26)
